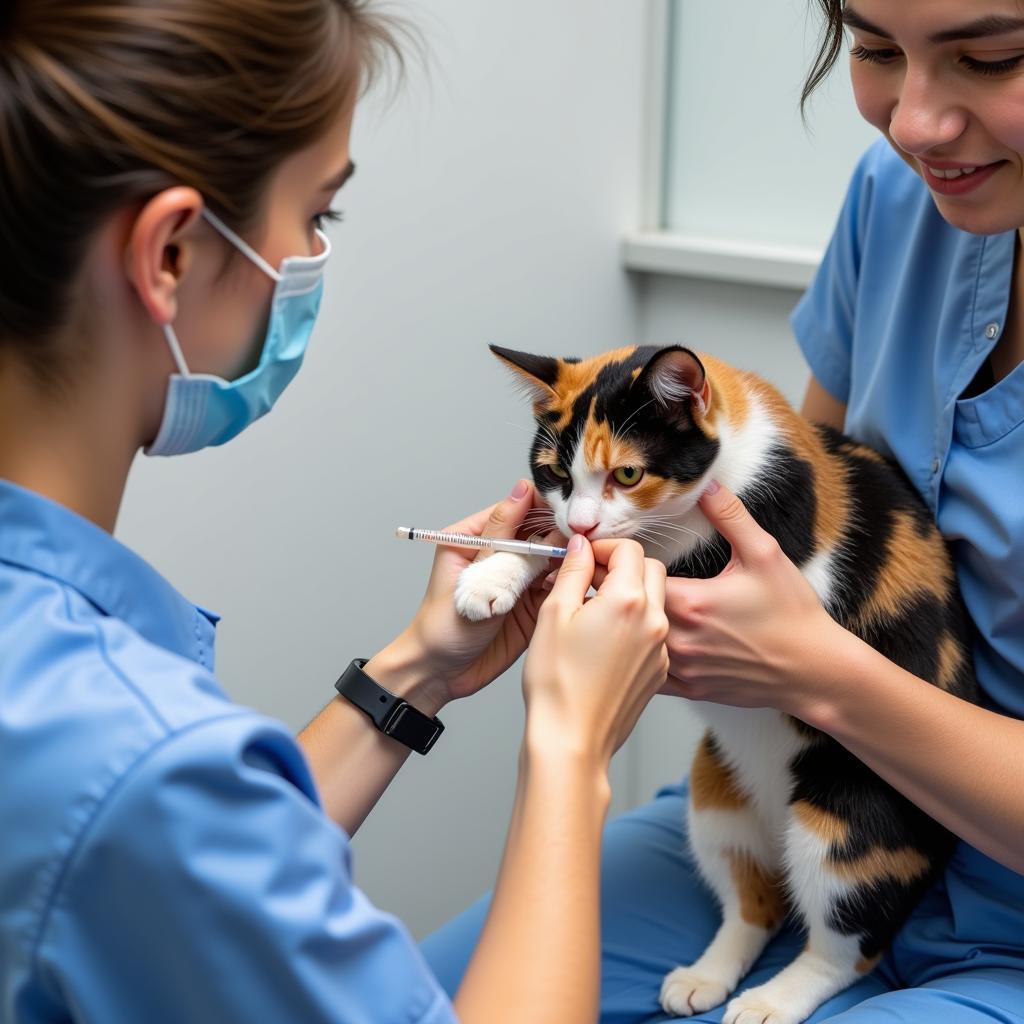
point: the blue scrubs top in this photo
(164, 856)
(900, 317)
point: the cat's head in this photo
(625, 440)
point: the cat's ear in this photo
(537, 374)
(676, 377)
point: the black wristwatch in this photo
(388, 712)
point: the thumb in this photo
(574, 576)
(729, 516)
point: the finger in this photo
(623, 558)
(729, 516)
(508, 514)
(654, 582)
(573, 579)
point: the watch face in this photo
(413, 728)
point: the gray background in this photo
(488, 207)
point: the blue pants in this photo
(656, 914)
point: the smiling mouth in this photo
(951, 172)
(956, 179)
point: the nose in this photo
(925, 116)
(585, 528)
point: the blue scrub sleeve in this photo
(210, 886)
(823, 320)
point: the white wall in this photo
(487, 206)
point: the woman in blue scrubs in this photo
(167, 856)
(915, 337)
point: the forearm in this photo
(538, 958)
(959, 763)
(352, 762)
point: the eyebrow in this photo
(990, 25)
(340, 178)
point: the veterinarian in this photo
(914, 334)
(168, 856)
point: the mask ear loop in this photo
(246, 250)
(239, 243)
(176, 353)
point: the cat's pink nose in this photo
(582, 528)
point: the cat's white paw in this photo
(492, 585)
(760, 1006)
(685, 992)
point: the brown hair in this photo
(829, 49)
(106, 102)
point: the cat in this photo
(782, 818)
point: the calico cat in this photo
(782, 818)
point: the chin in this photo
(977, 222)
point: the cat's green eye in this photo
(558, 471)
(628, 475)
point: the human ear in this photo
(158, 252)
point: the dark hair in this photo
(106, 102)
(829, 49)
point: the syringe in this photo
(468, 540)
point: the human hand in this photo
(594, 664)
(751, 636)
(457, 657)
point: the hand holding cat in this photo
(462, 656)
(594, 664)
(751, 636)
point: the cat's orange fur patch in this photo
(760, 891)
(653, 491)
(904, 864)
(911, 564)
(729, 395)
(712, 782)
(602, 449)
(950, 661)
(574, 378)
(827, 827)
(866, 964)
(547, 457)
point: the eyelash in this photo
(981, 67)
(328, 216)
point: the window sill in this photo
(664, 252)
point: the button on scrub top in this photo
(164, 854)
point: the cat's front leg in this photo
(491, 586)
(736, 858)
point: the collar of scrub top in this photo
(44, 537)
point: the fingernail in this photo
(519, 491)
(712, 488)
(575, 542)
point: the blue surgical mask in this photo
(203, 410)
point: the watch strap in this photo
(392, 715)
